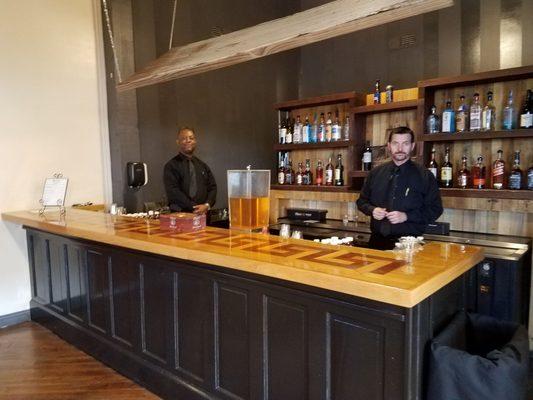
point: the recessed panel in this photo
(98, 285)
(77, 283)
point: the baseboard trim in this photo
(14, 318)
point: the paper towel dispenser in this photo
(137, 174)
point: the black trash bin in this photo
(477, 357)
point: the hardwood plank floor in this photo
(35, 364)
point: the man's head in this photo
(186, 141)
(401, 144)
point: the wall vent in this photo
(402, 42)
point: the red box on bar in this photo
(182, 222)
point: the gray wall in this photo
(231, 108)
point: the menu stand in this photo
(54, 192)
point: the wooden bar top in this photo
(377, 275)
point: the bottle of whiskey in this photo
(288, 135)
(289, 174)
(339, 172)
(321, 132)
(282, 132)
(346, 129)
(515, 177)
(433, 121)
(329, 173)
(498, 172)
(488, 117)
(336, 129)
(300, 174)
(530, 178)
(433, 166)
(461, 116)
(509, 114)
(328, 128)
(367, 157)
(479, 174)
(319, 173)
(448, 118)
(306, 129)
(377, 93)
(308, 175)
(475, 114)
(526, 115)
(281, 173)
(446, 172)
(297, 131)
(463, 176)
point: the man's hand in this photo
(200, 209)
(379, 213)
(396, 217)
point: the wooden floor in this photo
(36, 364)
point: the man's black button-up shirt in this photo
(409, 188)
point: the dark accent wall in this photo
(231, 108)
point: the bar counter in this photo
(228, 315)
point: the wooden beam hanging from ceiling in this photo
(329, 20)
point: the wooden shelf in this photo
(479, 78)
(488, 193)
(308, 146)
(319, 101)
(386, 107)
(312, 188)
(451, 137)
(358, 174)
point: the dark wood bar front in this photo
(190, 329)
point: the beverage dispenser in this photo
(249, 199)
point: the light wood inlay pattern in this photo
(372, 274)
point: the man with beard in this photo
(189, 183)
(400, 196)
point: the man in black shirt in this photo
(189, 183)
(400, 196)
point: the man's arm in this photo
(211, 188)
(431, 208)
(363, 202)
(175, 194)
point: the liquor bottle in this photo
(526, 115)
(479, 174)
(515, 177)
(297, 131)
(475, 114)
(433, 166)
(463, 176)
(448, 118)
(281, 173)
(346, 129)
(509, 113)
(321, 132)
(282, 132)
(289, 174)
(530, 178)
(308, 175)
(336, 129)
(339, 172)
(446, 172)
(377, 93)
(288, 136)
(367, 157)
(306, 129)
(300, 174)
(319, 173)
(329, 173)
(328, 128)
(498, 172)
(433, 121)
(488, 117)
(461, 116)
(314, 131)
